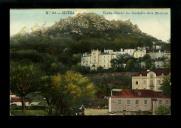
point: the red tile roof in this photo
(157, 71)
(127, 93)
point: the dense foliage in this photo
(24, 79)
(166, 86)
(162, 110)
(63, 92)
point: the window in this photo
(119, 101)
(136, 82)
(128, 101)
(145, 101)
(137, 101)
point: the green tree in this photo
(100, 69)
(119, 62)
(149, 63)
(63, 92)
(114, 64)
(146, 57)
(166, 86)
(162, 110)
(78, 89)
(130, 65)
(48, 92)
(24, 80)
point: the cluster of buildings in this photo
(103, 59)
(17, 101)
(145, 95)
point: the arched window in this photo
(136, 82)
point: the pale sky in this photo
(155, 22)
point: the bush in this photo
(15, 107)
(162, 110)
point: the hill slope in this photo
(79, 34)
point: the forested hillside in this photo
(67, 39)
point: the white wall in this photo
(144, 81)
(121, 104)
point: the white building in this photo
(157, 47)
(139, 53)
(97, 59)
(159, 54)
(129, 51)
(149, 79)
(15, 100)
(132, 101)
(159, 64)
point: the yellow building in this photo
(139, 53)
(149, 79)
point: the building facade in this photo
(137, 101)
(97, 59)
(150, 80)
(103, 59)
(159, 54)
(140, 52)
(17, 101)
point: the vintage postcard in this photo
(82, 62)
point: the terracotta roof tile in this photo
(127, 93)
